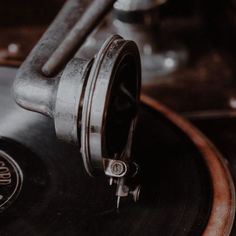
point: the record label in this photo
(11, 179)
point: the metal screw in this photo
(117, 168)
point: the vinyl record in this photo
(56, 197)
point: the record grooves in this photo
(58, 198)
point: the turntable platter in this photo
(58, 198)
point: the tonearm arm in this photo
(93, 102)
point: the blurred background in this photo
(200, 32)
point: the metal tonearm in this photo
(93, 101)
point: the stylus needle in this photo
(118, 202)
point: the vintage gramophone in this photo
(85, 81)
(92, 103)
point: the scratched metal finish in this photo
(58, 198)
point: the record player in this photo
(119, 119)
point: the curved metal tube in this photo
(77, 36)
(35, 91)
(32, 90)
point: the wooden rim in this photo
(222, 214)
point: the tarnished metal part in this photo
(115, 168)
(119, 172)
(70, 95)
(116, 66)
(93, 101)
(76, 37)
(33, 90)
